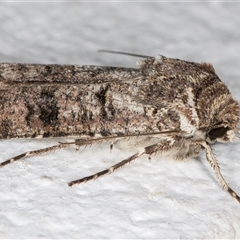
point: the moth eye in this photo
(217, 132)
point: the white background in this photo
(157, 199)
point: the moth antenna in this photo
(214, 164)
(123, 53)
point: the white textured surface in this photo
(157, 199)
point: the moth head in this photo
(225, 120)
(220, 134)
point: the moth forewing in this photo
(182, 105)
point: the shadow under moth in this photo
(183, 105)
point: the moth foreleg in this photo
(214, 164)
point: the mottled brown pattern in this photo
(180, 106)
(53, 100)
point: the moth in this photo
(183, 106)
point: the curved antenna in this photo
(124, 53)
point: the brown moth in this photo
(183, 105)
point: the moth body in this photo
(183, 106)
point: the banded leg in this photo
(77, 142)
(109, 170)
(43, 151)
(214, 164)
(34, 153)
(147, 150)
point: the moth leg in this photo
(61, 145)
(109, 170)
(34, 153)
(214, 164)
(147, 150)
